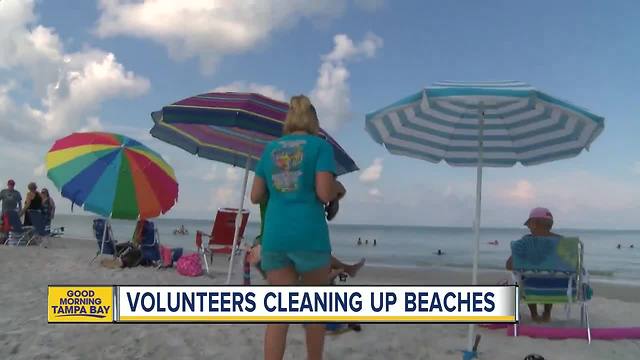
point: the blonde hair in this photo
(301, 116)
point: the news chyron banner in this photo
(277, 304)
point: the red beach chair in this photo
(221, 237)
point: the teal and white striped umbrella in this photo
(517, 123)
(480, 124)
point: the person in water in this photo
(439, 252)
(540, 222)
(359, 241)
(619, 246)
(374, 242)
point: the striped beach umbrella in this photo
(483, 124)
(112, 175)
(232, 128)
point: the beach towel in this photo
(189, 265)
(539, 253)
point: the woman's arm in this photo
(27, 202)
(258, 190)
(52, 207)
(509, 264)
(326, 188)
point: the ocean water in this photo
(403, 246)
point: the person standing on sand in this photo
(33, 202)
(11, 201)
(48, 207)
(297, 174)
(540, 222)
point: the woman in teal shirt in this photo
(297, 173)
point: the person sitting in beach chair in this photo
(549, 270)
(146, 239)
(222, 233)
(540, 222)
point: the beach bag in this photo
(189, 265)
(130, 257)
(176, 254)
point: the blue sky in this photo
(114, 62)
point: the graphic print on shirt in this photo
(287, 159)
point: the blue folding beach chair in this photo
(149, 244)
(18, 235)
(549, 270)
(39, 229)
(100, 226)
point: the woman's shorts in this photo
(301, 261)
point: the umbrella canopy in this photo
(478, 124)
(520, 124)
(112, 175)
(230, 128)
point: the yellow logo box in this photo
(80, 304)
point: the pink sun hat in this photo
(539, 213)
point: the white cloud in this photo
(370, 5)
(234, 174)
(71, 86)
(375, 192)
(242, 86)
(523, 191)
(223, 195)
(211, 174)
(331, 94)
(41, 170)
(372, 173)
(207, 29)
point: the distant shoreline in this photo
(438, 227)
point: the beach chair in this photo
(146, 237)
(549, 270)
(18, 234)
(221, 236)
(39, 229)
(104, 234)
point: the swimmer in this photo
(618, 246)
(439, 252)
(359, 241)
(374, 242)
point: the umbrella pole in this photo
(238, 219)
(476, 222)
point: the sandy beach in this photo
(26, 334)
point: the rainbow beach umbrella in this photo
(112, 175)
